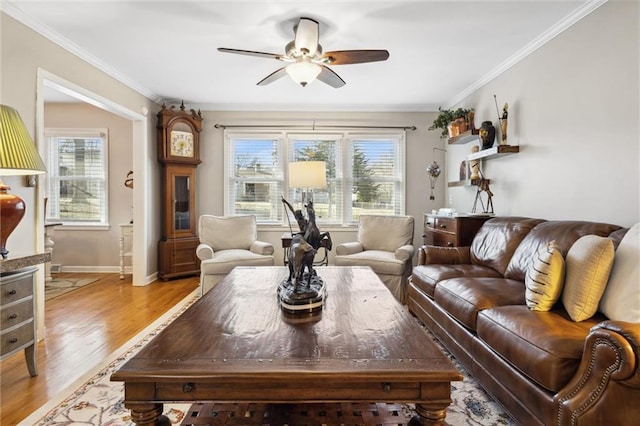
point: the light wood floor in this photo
(82, 328)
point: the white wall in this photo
(574, 111)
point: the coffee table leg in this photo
(148, 414)
(429, 414)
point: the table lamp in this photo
(307, 175)
(18, 156)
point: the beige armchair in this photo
(385, 244)
(227, 242)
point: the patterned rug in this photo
(95, 400)
(58, 287)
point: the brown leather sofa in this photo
(542, 367)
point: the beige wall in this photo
(574, 112)
(96, 250)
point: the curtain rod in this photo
(309, 126)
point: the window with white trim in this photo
(77, 191)
(365, 174)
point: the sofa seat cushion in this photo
(545, 346)
(425, 277)
(225, 260)
(382, 262)
(464, 298)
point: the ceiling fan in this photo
(306, 59)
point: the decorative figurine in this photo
(303, 291)
(503, 125)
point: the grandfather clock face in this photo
(181, 144)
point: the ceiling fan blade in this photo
(345, 57)
(307, 36)
(250, 53)
(331, 78)
(273, 76)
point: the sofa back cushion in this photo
(497, 239)
(565, 233)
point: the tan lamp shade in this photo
(307, 174)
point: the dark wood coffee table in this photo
(235, 344)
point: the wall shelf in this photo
(467, 182)
(466, 137)
(496, 151)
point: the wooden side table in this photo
(451, 231)
(286, 245)
(126, 233)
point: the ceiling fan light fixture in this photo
(303, 72)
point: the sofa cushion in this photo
(545, 346)
(228, 232)
(545, 278)
(589, 263)
(565, 233)
(463, 298)
(425, 277)
(497, 239)
(621, 298)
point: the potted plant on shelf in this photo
(453, 121)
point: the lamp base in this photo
(12, 209)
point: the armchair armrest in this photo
(404, 253)
(349, 248)
(204, 251)
(261, 247)
(444, 255)
(608, 374)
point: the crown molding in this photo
(578, 14)
(16, 13)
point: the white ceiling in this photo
(440, 51)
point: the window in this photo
(77, 186)
(365, 174)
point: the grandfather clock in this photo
(178, 152)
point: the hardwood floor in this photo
(82, 328)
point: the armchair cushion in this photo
(228, 232)
(385, 233)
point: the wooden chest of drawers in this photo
(451, 231)
(17, 315)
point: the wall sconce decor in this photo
(18, 157)
(433, 171)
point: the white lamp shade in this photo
(303, 72)
(307, 174)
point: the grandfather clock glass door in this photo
(178, 247)
(181, 203)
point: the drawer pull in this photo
(386, 387)
(443, 226)
(13, 340)
(450, 244)
(13, 316)
(12, 292)
(188, 387)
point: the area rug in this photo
(95, 400)
(60, 286)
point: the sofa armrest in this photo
(204, 251)
(404, 253)
(261, 247)
(428, 255)
(349, 248)
(608, 373)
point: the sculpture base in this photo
(303, 298)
